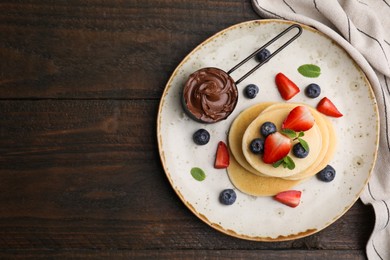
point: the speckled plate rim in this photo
(202, 217)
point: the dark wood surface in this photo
(80, 174)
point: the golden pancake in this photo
(237, 130)
(256, 185)
(313, 137)
(328, 141)
(247, 179)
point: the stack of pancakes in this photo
(251, 175)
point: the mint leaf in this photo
(310, 70)
(278, 163)
(286, 162)
(304, 144)
(289, 163)
(198, 174)
(301, 134)
(290, 133)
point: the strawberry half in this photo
(286, 87)
(276, 147)
(290, 198)
(327, 107)
(222, 158)
(299, 119)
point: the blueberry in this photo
(327, 174)
(267, 128)
(299, 151)
(312, 90)
(257, 146)
(263, 55)
(201, 137)
(251, 91)
(227, 197)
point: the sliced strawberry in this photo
(327, 107)
(286, 87)
(290, 198)
(222, 158)
(299, 119)
(276, 147)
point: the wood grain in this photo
(86, 174)
(80, 173)
(92, 49)
(195, 254)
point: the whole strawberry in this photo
(276, 147)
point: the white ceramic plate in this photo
(262, 218)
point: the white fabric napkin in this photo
(362, 27)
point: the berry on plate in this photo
(327, 107)
(201, 136)
(276, 147)
(267, 128)
(291, 198)
(227, 197)
(257, 146)
(286, 87)
(222, 158)
(251, 91)
(299, 151)
(299, 119)
(327, 174)
(313, 90)
(263, 55)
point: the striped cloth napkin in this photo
(362, 28)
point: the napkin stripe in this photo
(372, 241)
(375, 39)
(376, 251)
(275, 15)
(386, 3)
(349, 29)
(385, 110)
(384, 202)
(363, 3)
(369, 191)
(346, 15)
(315, 6)
(387, 222)
(388, 214)
(284, 1)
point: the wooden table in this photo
(80, 174)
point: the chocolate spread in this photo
(210, 95)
